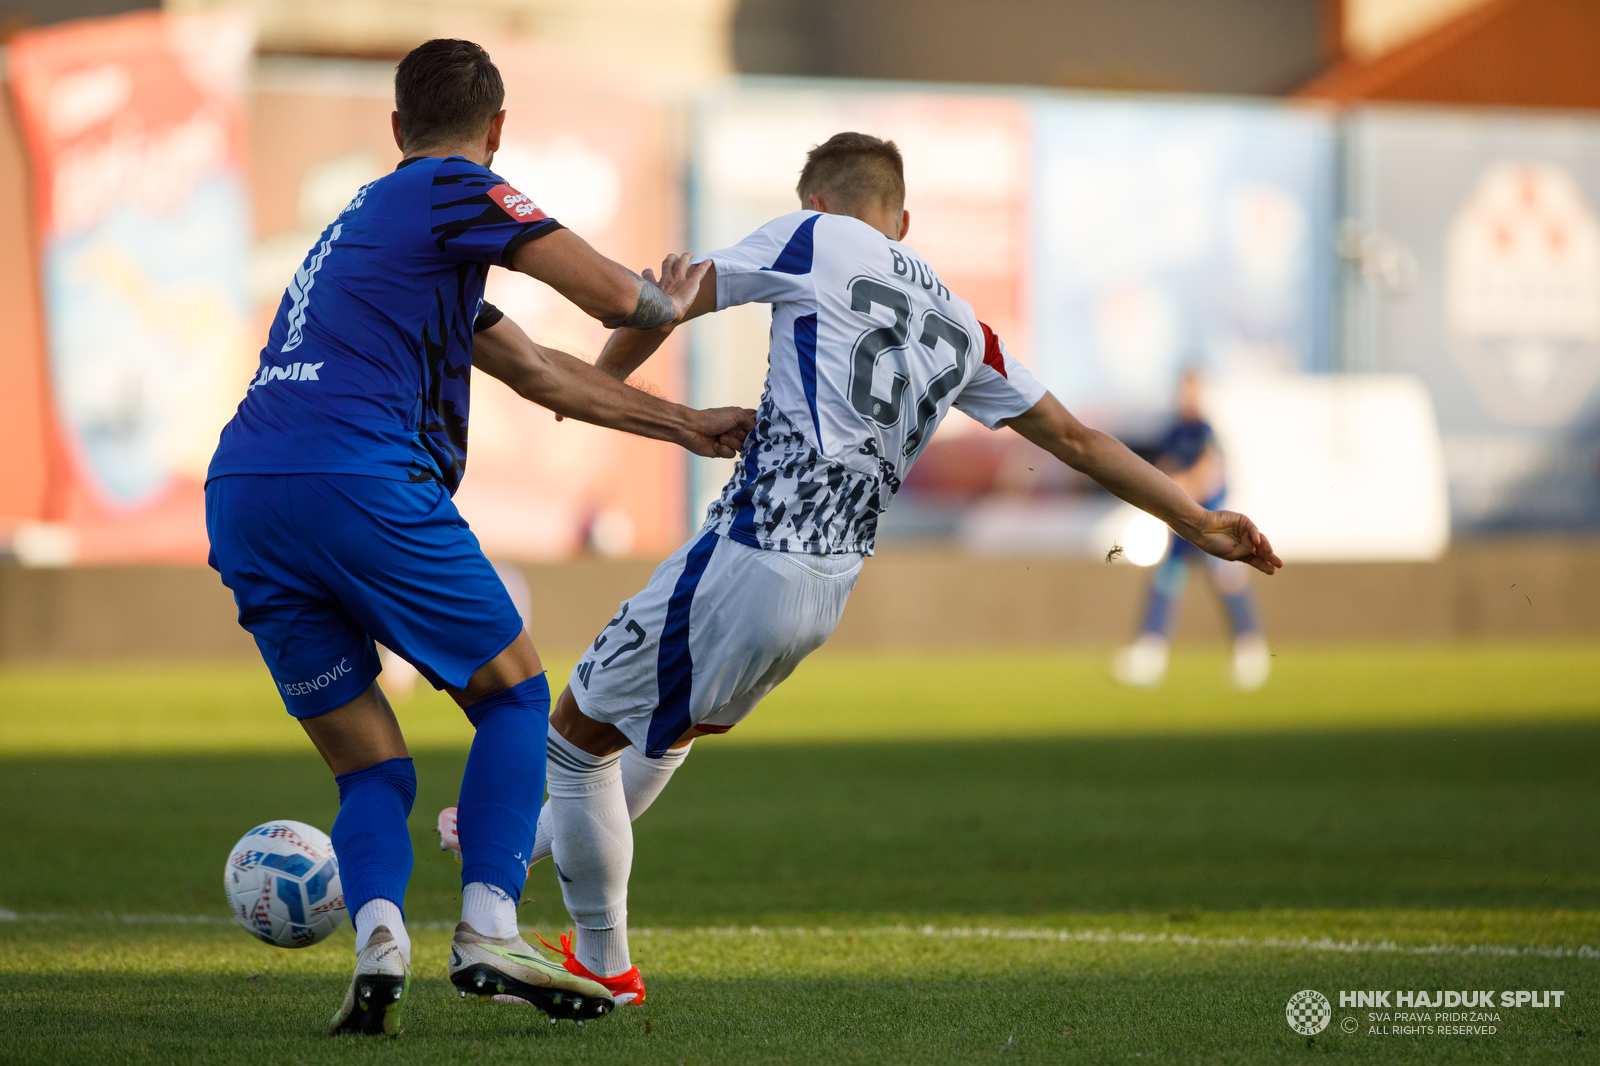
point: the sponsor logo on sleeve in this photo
(516, 204)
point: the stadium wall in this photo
(907, 598)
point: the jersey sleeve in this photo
(477, 217)
(488, 316)
(1001, 388)
(771, 266)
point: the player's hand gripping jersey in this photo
(367, 367)
(869, 352)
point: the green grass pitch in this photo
(920, 858)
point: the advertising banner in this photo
(1177, 234)
(595, 156)
(1474, 262)
(966, 169)
(135, 133)
(22, 359)
(598, 156)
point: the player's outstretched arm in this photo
(627, 349)
(605, 289)
(572, 388)
(1225, 534)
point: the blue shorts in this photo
(322, 564)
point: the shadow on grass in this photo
(1492, 818)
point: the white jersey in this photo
(869, 352)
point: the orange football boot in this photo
(626, 988)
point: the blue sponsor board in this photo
(1177, 234)
(1473, 260)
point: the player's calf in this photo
(643, 780)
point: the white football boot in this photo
(1142, 664)
(449, 839)
(1252, 663)
(491, 966)
(377, 991)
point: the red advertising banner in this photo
(135, 132)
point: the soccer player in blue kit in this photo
(328, 505)
(1190, 455)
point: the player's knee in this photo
(398, 775)
(530, 698)
(516, 663)
(583, 732)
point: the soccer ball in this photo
(283, 886)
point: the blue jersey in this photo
(369, 361)
(1186, 442)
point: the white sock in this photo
(376, 912)
(643, 778)
(642, 781)
(488, 909)
(541, 832)
(592, 839)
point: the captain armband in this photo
(653, 311)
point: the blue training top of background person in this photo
(1186, 442)
(1183, 446)
(369, 360)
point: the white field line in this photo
(1072, 936)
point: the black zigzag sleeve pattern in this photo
(469, 213)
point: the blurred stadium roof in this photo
(1226, 46)
(1533, 53)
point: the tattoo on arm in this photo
(653, 311)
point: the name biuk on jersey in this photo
(869, 352)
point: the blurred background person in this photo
(1188, 453)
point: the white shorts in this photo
(717, 628)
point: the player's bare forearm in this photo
(627, 349)
(602, 288)
(573, 389)
(1129, 478)
(1109, 462)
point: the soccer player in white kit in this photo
(869, 351)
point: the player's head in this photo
(446, 93)
(857, 174)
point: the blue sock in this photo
(370, 836)
(1166, 586)
(503, 788)
(1157, 613)
(1242, 613)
